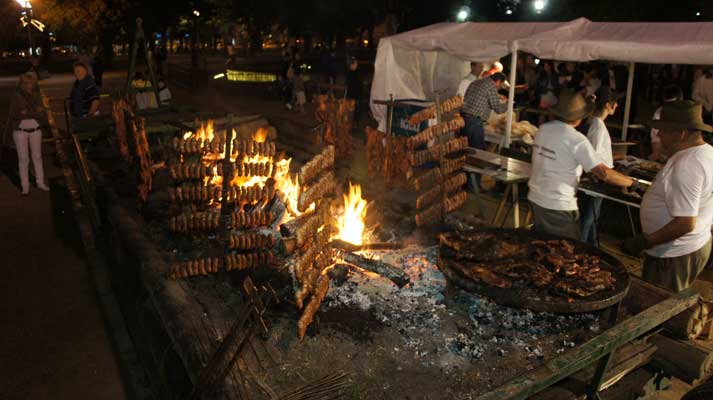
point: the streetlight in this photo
(196, 13)
(463, 14)
(540, 6)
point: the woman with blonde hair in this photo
(26, 112)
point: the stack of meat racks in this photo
(436, 152)
(226, 196)
(310, 234)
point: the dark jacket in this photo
(25, 105)
(83, 93)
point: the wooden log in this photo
(643, 295)
(689, 360)
(626, 359)
(342, 245)
(388, 271)
(584, 355)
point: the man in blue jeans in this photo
(481, 98)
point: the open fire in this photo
(351, 224)
(287, 184)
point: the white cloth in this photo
(600, 139)
(655, 132)
(34, 140)
(683, 188)
(463, 85)
(703, 92)
(164, 96)
(558, 156)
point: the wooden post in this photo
(511, 97)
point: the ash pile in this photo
(446, 327)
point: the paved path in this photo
(54, 342)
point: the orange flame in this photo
(260, 135)
(351, 224)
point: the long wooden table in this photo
(507, 170)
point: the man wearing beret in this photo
(677, 210)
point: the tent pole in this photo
(627, 105)
(511, 98)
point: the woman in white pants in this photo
(27, 112)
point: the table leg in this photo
(631, 221)
(515, 206)
(603, 364)
(501, 205)
(478, 202)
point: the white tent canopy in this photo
(415, 64)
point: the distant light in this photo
(51, 34)
(537, 61)
(188, 35)
(196, 13)
(221, 75)
(508, 11)
(463, 14)
(158, 36)
(698, 14)
(540, 5)
(366, 42)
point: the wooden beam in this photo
(593, 350)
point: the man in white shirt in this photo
(677, 210)
(476, 70)
(598, 135)
(559, 154)
(671, 93)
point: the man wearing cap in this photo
(476, 70)
(677, 210)
(480, 100)
(559, 155)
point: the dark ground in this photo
(54, 342)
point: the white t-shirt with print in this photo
(559, 153)
(683, 188)
(598, 136)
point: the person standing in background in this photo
(84, 98)
(703, 93)
(480, 100)
(354, 87)
(671, 93)
(26, 111)
(605, 105)
(476, 70)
